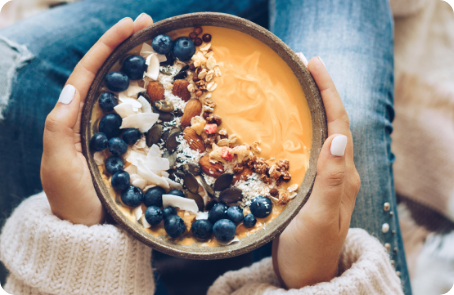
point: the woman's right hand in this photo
(65, 176)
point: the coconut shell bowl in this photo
(319, 133)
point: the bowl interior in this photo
(319, 131)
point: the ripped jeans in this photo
(354, 38)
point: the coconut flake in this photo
(173, 184)
(202, 215)
(136, 105)
(235, 240)
(134, 158)
(137, 180)
(147, 50)
(154, 152)
(153, 67)
(146, 106)
(143, 121)
(138, 212)
(145, 222)
(158, 164)
(150, 176)
(131, 169)
(99, 158)
(124, 110)
(180, 202)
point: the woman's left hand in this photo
(307, 252)
(65, 176)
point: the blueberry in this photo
(261, 207)
(120, 180)
(174, 226)
(183, 48)
(162, 44)
(110, 125)
(177, 192)
(235, 214)
(202, 229)
(219, 211)
(249, 221)
(98, 142)
(153, 215)
(134, 66)
(117, 146)
(107, 101)
(114, 164)
(153, 196)
(169, 211)
(131, 135)
(117, 81)
(132, 196)
(224, 230)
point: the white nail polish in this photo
(140, 15)
(338, 145)
(321, 61)
(67, 94)
(303, 58)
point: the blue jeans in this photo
(354, 38)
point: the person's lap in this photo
(354, 40)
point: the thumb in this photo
(59, 138)
(331, 169)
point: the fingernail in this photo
(67, 94)
(321, 61)
(124, 19)
(338, 145)
(140, 15)
(303, 58)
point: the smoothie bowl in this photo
(202, 134)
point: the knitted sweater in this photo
(46, 255)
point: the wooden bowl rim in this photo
(319, 128)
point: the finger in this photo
(331, 173)
(58, 140)
(336, 115)
(88, 67)
(142, 21)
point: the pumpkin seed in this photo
(166, 70)
(165, 117)
(223, 182)
(197, 198)
(174, 173)
(171, 157)
(180, 75)
(154, 135)
(192, 168)
(191, 183)
(207, 187)
(172, 141)
(164, 106)
(231, 195)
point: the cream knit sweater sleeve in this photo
(46, 255)
(365, 266)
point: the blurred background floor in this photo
(423, 138)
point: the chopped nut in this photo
(286, 175)
(242, 152)
(195, 78)
(214, 119)
(274, 192)
(283, 198)
(265, 179)
(191, 67)
(210, 103)
(223, 133)
(274, 172)
(208, 139)
(283, 164)
(206, 114)
(198, 124)
(198, 93)
(211, 86)
(238, 168)
(261, 167)
(201, 84)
